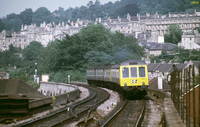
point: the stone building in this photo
(4, 75)
(190, 40)
(155, 48)
(149, 27)
(153, 23)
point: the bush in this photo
(62, 76)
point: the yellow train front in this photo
(133, 74)
(130, 76)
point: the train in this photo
(130, 76)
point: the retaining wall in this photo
(61, 93)
(40, 102)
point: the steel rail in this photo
(114, 115)
(141, 116)
(59, 111)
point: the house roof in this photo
(180, 66)
(163, 46)
(124, 20)
(147, 45)
(153, 66)
(134, 18)
(196, 63)
(165, 68)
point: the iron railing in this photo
(185, 94)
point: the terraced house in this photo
(149, 28)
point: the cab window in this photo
(133, 72)
(125, 72)
(142, 71)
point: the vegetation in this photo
(95, 10)
(93, 45)
(181, 55)
(174, 34)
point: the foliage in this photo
(10, 57)
(62, 76)
(26, 16)
(95, 10)
(40, 15)
(18, 73)
(49, 56)
(93, 45)
(13, 22)
(30, 52)
(31, 55)
(174, 34)
(179, 57)
(33, 84)
(2, 25)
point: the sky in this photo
(17, 6)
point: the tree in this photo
(132, 9)
(49, 57)
(10, 57)
(26, 16)
(31, 55)
(158, 9)
(83, 13)
(2, 25)
(13, 22)
(174, 34)
(40, 15)
(31, 51)
(143, 9)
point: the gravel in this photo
(108, 105)
(154, 112)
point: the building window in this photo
(24, 40)
(19, 40)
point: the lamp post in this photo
(35, 76)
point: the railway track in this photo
(68, 114)
(131, 113)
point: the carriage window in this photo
(133, 72)
(125, 72)
(142, 71)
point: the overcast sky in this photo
(17, 6)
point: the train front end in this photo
(134, 75)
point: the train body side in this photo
(125, 74)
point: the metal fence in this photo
(185, 93)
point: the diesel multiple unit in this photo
(131, 74)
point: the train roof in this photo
(116, 66)
(133, 62)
